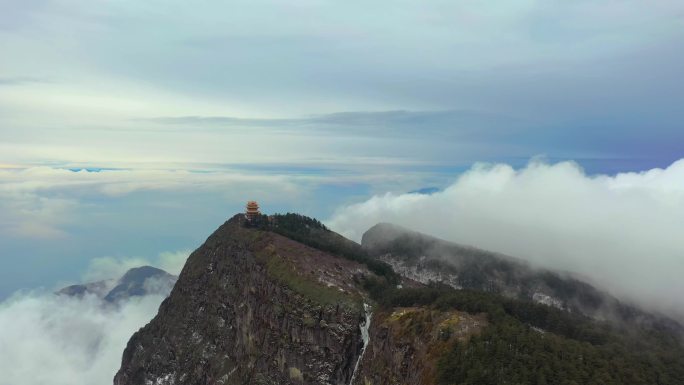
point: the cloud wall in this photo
(48, 339)
(622, 232)
(61, 340)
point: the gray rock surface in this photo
(248, 310)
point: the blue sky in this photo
(183, 110)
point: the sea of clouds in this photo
(624, 232)
(60, 340)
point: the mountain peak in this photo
(140, 281)
(254, 306)
(141, 273)
(135, 282)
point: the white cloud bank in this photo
(623, 232)
(58, 340)
(61, 340)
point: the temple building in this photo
(252, 211)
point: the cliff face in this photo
(405, 344)
(251, 307)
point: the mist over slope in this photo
(77, 337)
(428, 260)
(62, 340)
(621, 232)
(136, 282)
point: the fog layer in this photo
(60, 340)
(622, 232)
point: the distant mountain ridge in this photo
(136, 282)
(425, 258)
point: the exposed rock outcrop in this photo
(406, 343)
(252, 307)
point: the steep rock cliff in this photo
(252, 307)
(405, 344)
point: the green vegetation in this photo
(474, 266)
(282, 270)
(509, 352)
(313, 233)
(523, 343)
(527, 343)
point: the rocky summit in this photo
(253, 307)
(283, 300)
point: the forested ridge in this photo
(528, 343)
(524, 342)
(312, 232)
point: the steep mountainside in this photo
(405, 343)
(252, 307)
(286, 301)
(138, 281)
(425, 259)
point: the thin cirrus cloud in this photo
(462, 124)
(456, 136)
(621, 232)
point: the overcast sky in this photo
(130, 128)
